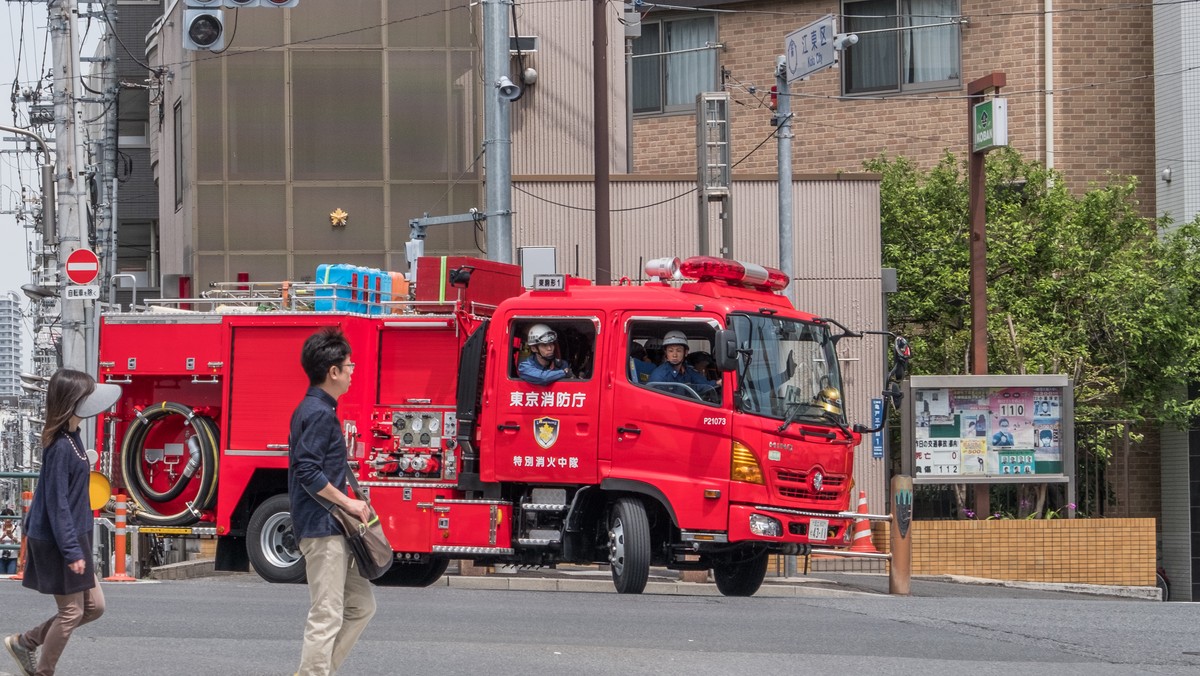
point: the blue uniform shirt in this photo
(666, 373)
(532, 371)
(317, 457)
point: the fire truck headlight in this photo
(765, 526)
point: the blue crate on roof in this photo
(358, 289)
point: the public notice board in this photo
(967, 429)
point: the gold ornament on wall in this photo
(338, 218)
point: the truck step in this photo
(543, 507)
(537, 542)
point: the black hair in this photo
(66, 389)
(322, 350)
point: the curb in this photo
(1120, 591)
(788, 590)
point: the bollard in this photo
(26, 501)
(119, 546)
(900, 572)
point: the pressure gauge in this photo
(434, 425)
(416, 425)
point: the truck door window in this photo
(573, 340)
(786, 367)
(673, 359)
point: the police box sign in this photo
(549, 283)
(991, 125)
(91, 292)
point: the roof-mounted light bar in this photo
(710, 268)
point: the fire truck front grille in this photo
(795, 484)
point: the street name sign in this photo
(810, 49)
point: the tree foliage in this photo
(1089, 286)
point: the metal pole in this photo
(72, 196)
(783, 115)
(601, 141)
(977, 215)
(900, 569)
(497, 142)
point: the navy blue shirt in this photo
(316, 458)
(60, 511)
(666, 373)
(532, 371)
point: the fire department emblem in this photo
(545, 431)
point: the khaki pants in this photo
(74, 610)
(342, 605)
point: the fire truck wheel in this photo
(741, 576)
(414, 574)
(629, 545)
(271, 544)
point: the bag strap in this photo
(353, 481)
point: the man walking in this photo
(342, 602)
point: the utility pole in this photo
(601, 141)
(72, 195)
(783, 126)
(499, 93)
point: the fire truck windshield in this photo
(788, 370)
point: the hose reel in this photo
(203, 455)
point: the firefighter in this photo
(542, 367)
(675, 370)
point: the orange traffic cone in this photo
(862, 529)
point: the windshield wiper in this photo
(793, 412)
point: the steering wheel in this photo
(681, 389)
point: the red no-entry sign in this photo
(83, 266)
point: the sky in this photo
(24, 56)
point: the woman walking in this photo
(58, 530)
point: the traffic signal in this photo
(279, 3)
(242, 4)
(204, 29)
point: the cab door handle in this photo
(629, 430)
(508, 427)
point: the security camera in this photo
(844, 40)
(508, 90)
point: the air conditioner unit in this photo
(528, 44)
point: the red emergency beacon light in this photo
(710, 268)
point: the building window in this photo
(177, 123)
(917, 47)
(683, 65)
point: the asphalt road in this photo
(237, 624)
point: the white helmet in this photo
(675, 338)
(540, 334)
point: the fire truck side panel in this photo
(679, 445)
(173, 346)
(407, 515)
(417, 363)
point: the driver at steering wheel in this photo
(675, 370)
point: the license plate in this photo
(818, 530)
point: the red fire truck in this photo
(465, 460)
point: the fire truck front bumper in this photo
(765, 524)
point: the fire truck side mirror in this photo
(725, 354)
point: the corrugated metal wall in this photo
(552, 122)
(836, 254)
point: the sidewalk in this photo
(597, 579)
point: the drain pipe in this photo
(1048, 78)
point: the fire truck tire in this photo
(271, 544)
(629, 545)
(742, 576)
(414, 574)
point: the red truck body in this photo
(464, 459)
